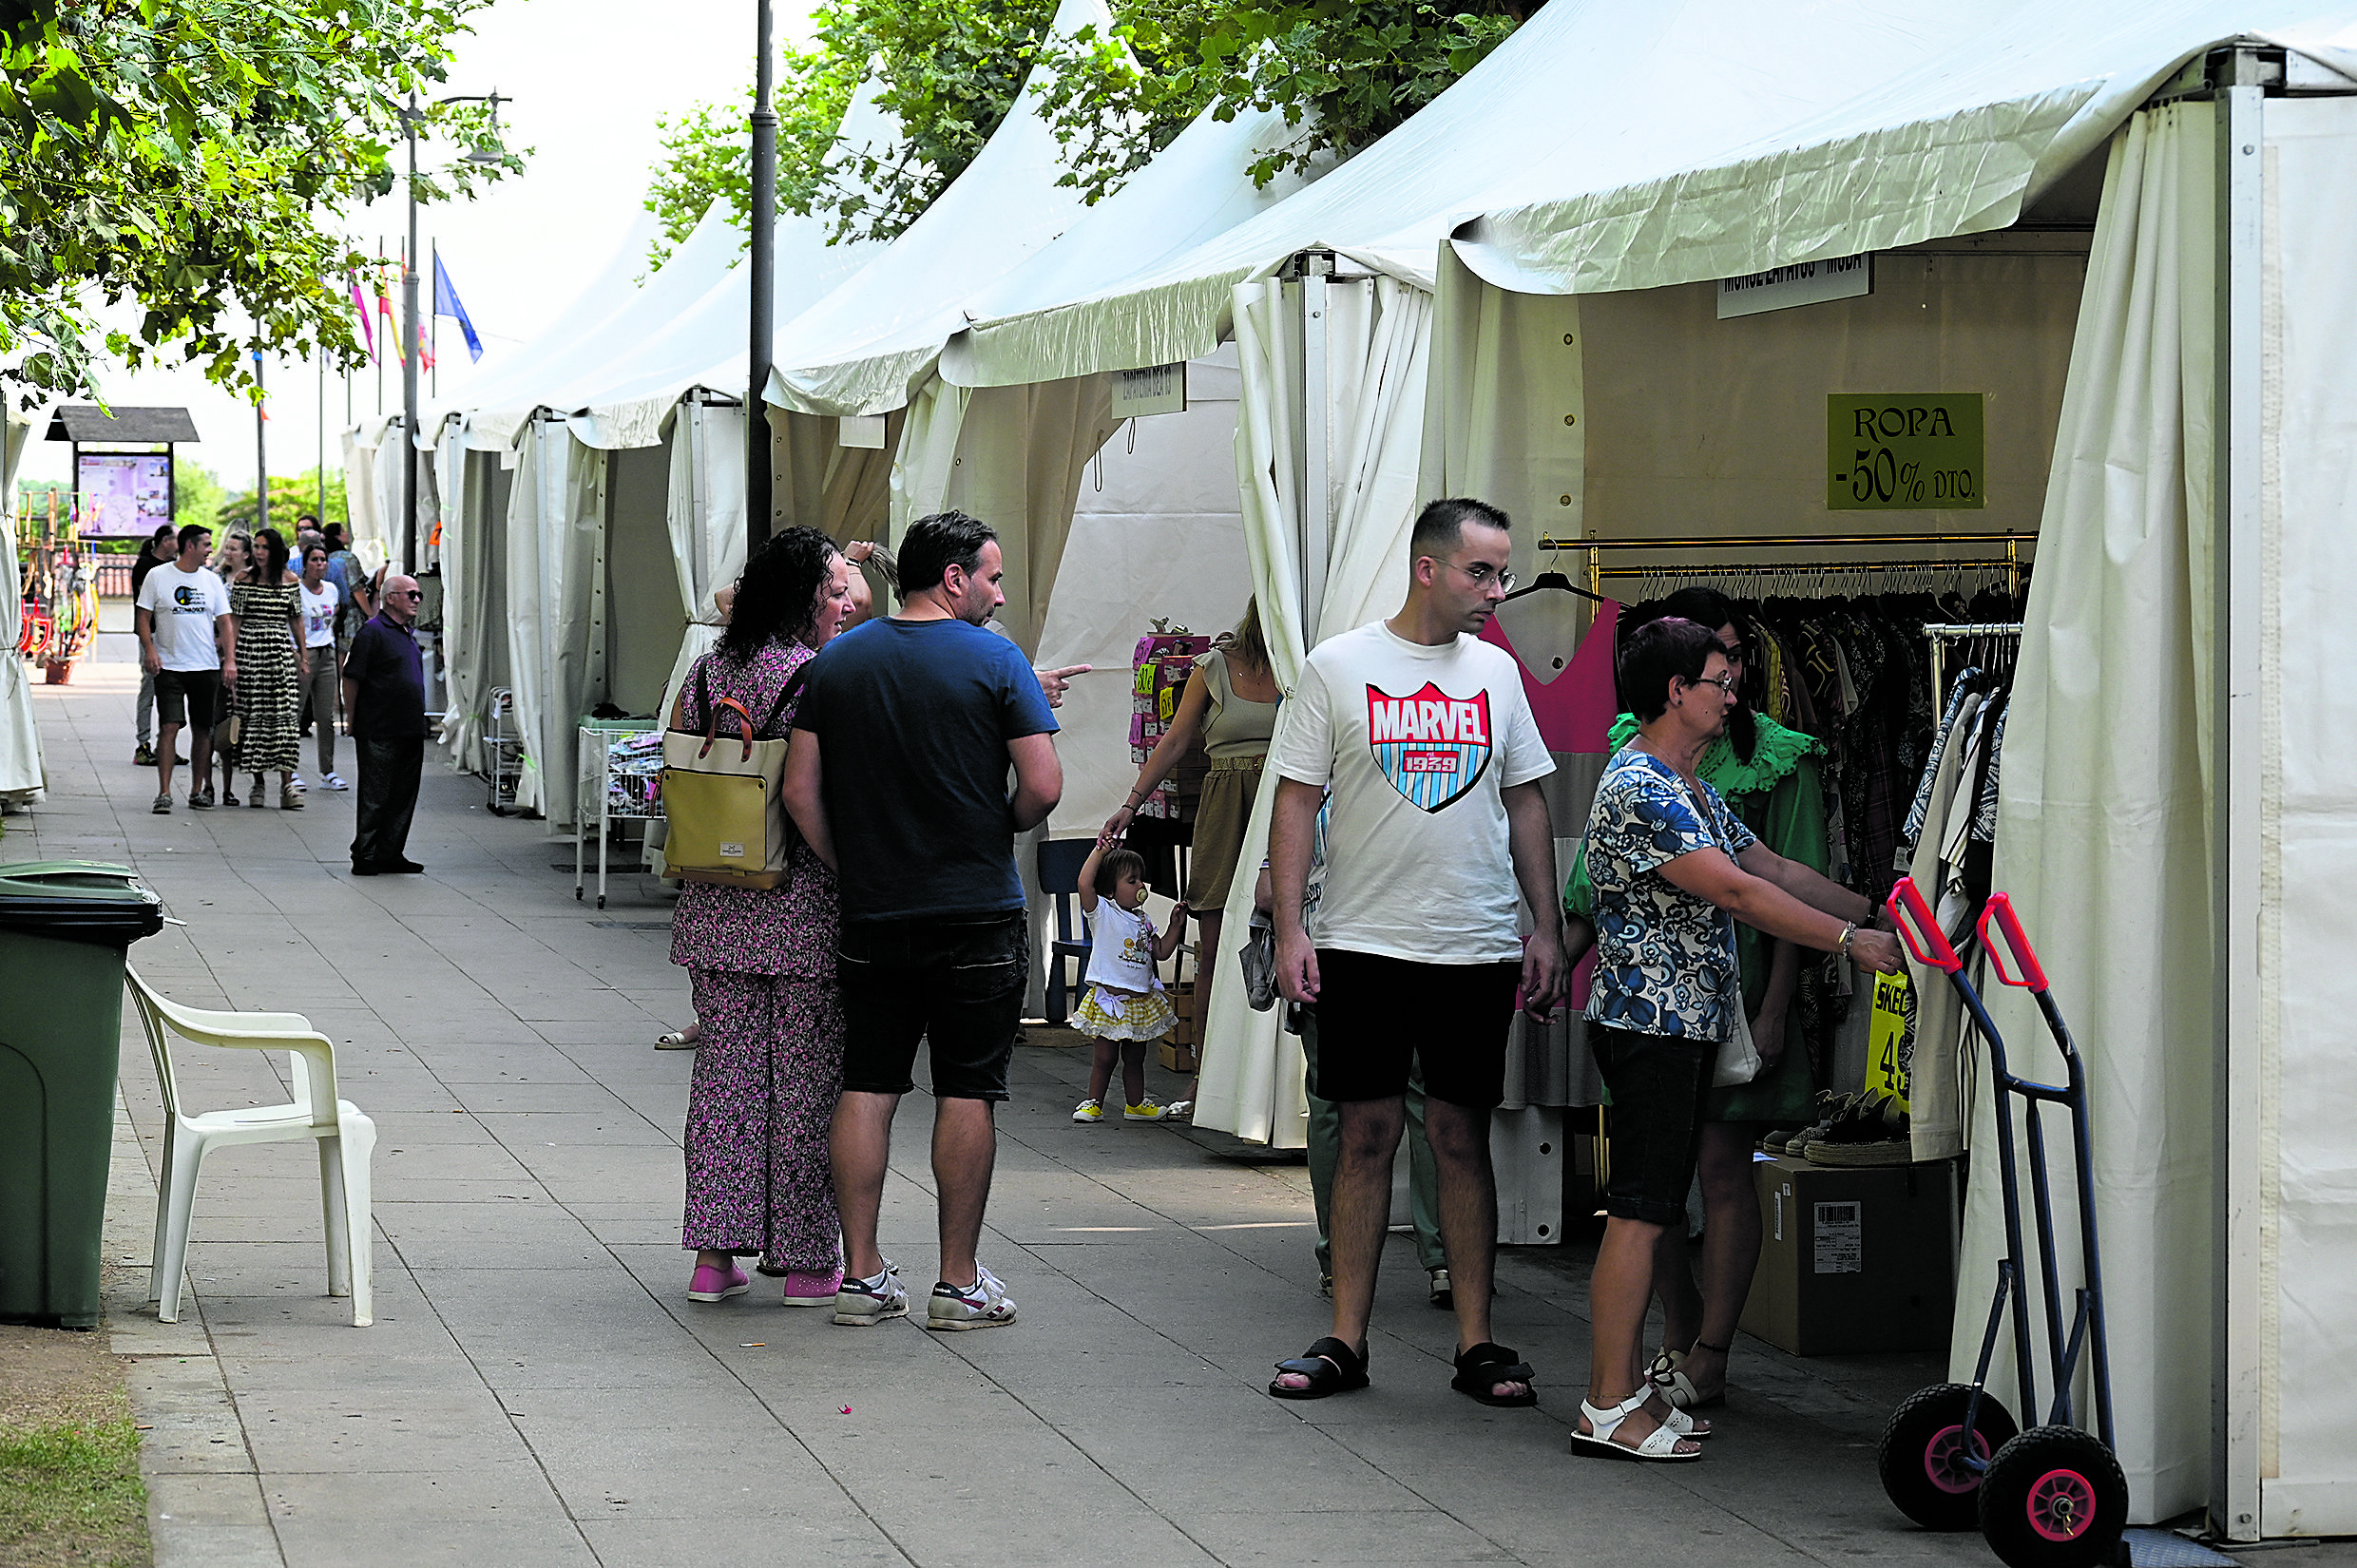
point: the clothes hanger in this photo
(1553, 579)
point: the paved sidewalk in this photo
(537, 1388)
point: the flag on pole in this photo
(392, 322)
(360, 308)
(446, 303)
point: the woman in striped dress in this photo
(272, 664)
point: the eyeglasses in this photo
(1724, 682)
(405, 593)
(1483, 574)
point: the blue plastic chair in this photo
(1059, 876)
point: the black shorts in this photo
(1379, 1017)
(957, 986)
(190, 697)
(1657, 1082)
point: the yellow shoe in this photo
(1153, 1110)
(1089, 1110)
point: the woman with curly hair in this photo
(762, 962)
(272, 665)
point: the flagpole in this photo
(409, 362)
(378, 280)
(261, 453)
(434, 371)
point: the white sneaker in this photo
(981, 1305)
(865, 1303)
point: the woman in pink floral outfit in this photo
(762, 962)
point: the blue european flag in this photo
(446, 303)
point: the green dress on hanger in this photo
(1779, 795)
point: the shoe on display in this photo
(334, 781)
(982, 1305)
(865, 1303)
(145, 756)
(805, 1289)
(1153, 1110)
(1089, 1110)
(710, 1283)
(163, 806)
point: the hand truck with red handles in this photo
(1951, 1457)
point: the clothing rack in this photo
(1815, 579)
(2011, 565)
(1942, 633)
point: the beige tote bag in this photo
(728, 824)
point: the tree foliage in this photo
(189, 158)
(950, 70)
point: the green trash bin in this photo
(64, 925)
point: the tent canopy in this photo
(1957, 145)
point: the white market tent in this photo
(2170, 841)
(20, 736)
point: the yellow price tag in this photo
(1894, 1022)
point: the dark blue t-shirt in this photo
(914, 717)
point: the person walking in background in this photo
(1122, 1007)
(385, 715)
(273, 664)
(321, 684)
(1231, 702)
(233, 560)
(163, 546)
(897, 777)
(1424, 736)
(187, 641)
(762, 962)
(1674, 870)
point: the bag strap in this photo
(793, 688)
(712, 729)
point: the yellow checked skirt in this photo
(1114, 1015)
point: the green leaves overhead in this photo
(1346, 74)
(187, 157)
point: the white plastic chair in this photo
(346, 1139)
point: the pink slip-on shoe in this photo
(809, 1289)
(712, 1284)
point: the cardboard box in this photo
(1854, 1260)
(1177, 1052)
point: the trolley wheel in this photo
(2054, 1498)
(1922, 1452)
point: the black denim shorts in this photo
(1657, 1082)
(957, 986)
(190, 697)
(1379, 1019)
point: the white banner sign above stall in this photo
(1156, 389)
(1803, 283)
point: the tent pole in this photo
(763, 262)
(2241, 1321)
(1318, 440)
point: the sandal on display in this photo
(1660, 1446)
(1483, 1367)
(1332, 1367)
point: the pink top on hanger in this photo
(1575, 710)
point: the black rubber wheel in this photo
(2054, 1498)
(1922, 1452)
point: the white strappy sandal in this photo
(1659, 1447)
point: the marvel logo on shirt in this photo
(1415, 742)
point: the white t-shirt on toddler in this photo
(1415, 741)
(1120, 951)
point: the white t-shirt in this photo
(185, 606)
(319, 615)
(1416, 743)
(1121, 952)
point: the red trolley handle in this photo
(1919, 927)
(2015, 943)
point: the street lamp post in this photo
(763, 262)
(480, 154)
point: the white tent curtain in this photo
(20, 737)
(706, 511)
(843, 491)
(1377, 336)
(2101, 837)
(463, 618)
(362, 499)
(1014, 457)
(2307, 1167)
(556, 622)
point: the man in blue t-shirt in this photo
(898, 776)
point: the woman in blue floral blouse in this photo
(1673, 869)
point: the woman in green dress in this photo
(1769, 776)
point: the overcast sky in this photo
(590, 79)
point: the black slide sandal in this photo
(1332, 1367)
(1483, 1367)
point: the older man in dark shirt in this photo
(385, 704)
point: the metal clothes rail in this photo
(2011, 563)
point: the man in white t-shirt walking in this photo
(187, 640)
(1424, 736)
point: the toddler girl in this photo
(1123, 1007)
